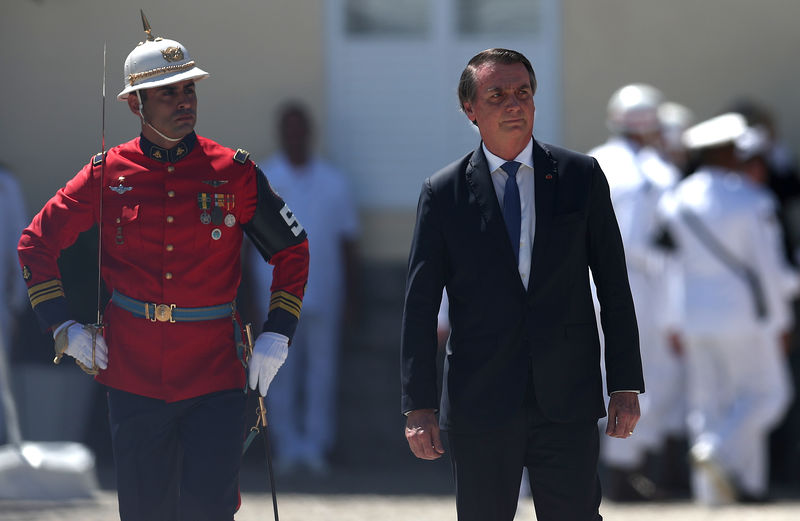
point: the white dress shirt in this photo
(526, 195)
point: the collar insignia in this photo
(181, 150)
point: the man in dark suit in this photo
(512, 230)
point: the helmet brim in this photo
(195, 73)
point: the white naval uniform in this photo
(302, 399)
(13, 219)
(736, 380)
(637, 178)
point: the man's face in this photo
(172, 109)
(295, 137)
(503, 106)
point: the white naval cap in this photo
(717, 131)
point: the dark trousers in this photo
(180, 460)
(562, 466)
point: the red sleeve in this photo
(69, 212)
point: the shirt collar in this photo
(181, 149)
(525, 157)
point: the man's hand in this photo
(75, 340)
(623, 413)
(422, 433)
(269, 354)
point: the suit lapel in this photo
(479, 180)
(545, 176)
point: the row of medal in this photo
(212, 211)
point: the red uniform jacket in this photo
(171, 234)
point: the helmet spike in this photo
(146, 26)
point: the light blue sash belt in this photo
(169, 312)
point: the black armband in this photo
(273, 226)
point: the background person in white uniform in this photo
(675, 119)
(302, 402)
(734, 391)
(13, 219)
(637, 177)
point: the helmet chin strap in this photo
(141, 115)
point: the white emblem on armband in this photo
(291, 220)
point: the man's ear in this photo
(469, 111)
(133, 103)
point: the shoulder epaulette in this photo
(241, 156)
(97, 159)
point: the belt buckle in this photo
(163, 313)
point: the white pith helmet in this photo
(675, 119)
(157, 62)
(633, 109)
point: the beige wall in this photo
(700, 53)
(258, 53)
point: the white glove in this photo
(269, 353)
(79, 345)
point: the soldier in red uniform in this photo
(172, 208)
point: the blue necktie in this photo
(512, 211)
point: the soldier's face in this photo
(172, 109)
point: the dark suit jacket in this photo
(502, 333)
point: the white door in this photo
(393, 69)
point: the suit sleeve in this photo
(617, 316)
(423, 295)
(68, 213)
(282, 241)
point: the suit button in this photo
(170, 247)
(170, 219)
(171, 193)
(170, 169)
(168, 275)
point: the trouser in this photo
(562, 467)
(177, 461)
(302, 399)
(737, 392)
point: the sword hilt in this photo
(95, 329)
(262, 408)
(248, 332)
